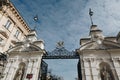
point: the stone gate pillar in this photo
(24, 59)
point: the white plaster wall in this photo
(13, 64)
(95, 71)
(12, 29)
(105, 56)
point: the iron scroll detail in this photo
(61, 53)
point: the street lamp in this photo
(36, 20)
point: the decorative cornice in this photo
(33, 60)
(116, 59)
(19, 17)
(101, 59)
(27, 53)
(11, 60)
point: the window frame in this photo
(17, 33)
(8, 24)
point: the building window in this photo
(17, 33)
(8, 23)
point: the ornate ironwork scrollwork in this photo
(61, 53)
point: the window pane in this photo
(17, 33)
(8, 24)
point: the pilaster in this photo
(28, 70)
(33, 68)
(116, 68)
(83, 69)
(88, 69)
(7, 73)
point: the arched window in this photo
(20, 72)
(106, 72)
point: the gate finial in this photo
(60, 44)
(91, 13)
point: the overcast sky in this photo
(68, 20)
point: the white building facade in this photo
(99, 56)
(13, 28)
(24, 61)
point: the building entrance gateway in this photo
(25, 60)
(59, 53)
(99, 57)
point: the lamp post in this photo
(36, 20)
(91, 13)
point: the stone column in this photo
(99, 60)
(88, 70)
(94, 70)
(114, 69)
(7, 70)
(29, 68)
(37, 67)
(33, 69)
(89, 62)
(12, 70)
(119, 68)
(83, 69)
